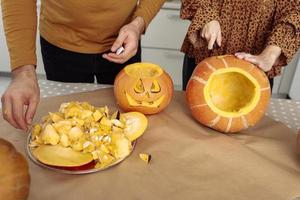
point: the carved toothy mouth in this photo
(150, 104)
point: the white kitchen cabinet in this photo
(166, 31)
(162, 42)
(169, 60)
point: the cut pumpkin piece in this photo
(135, 124)
(61, 156)
(145, 157)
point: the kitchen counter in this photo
(282, 110)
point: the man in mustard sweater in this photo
(79, 40)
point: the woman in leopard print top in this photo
(264, 32)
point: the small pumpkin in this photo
(143, 87)
(227, 94)
(14, 173)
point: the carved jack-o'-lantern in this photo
(143, 87)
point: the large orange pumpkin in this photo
(143, 87)
(227, 94)
(14, 173)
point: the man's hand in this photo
(212, 33)
(20, 100)
(129, 37)
(266, 60)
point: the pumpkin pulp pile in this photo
(80, 134)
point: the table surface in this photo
(281, 110)
(189, 161)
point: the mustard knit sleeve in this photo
(147, 9)
(20, 24)
(286, 31)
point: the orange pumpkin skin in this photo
(14, 174)
(199, 96)
(145, 101)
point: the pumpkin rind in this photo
(135, 126)
(137, 88)
(60, 156)
(199, 99)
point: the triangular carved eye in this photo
(139, 87)
(155, 87)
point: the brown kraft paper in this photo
(189, 161)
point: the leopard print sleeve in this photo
(201, 12)
(286, 31)
(188, 9)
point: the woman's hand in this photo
(129, 37)
(212, 33)
(266, 60)
(20, 100)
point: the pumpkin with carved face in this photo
(143, 87)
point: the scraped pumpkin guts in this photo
(81, 133)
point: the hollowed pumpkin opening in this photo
(232, 92)
(143, 71)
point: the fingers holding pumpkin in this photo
(261, 61)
